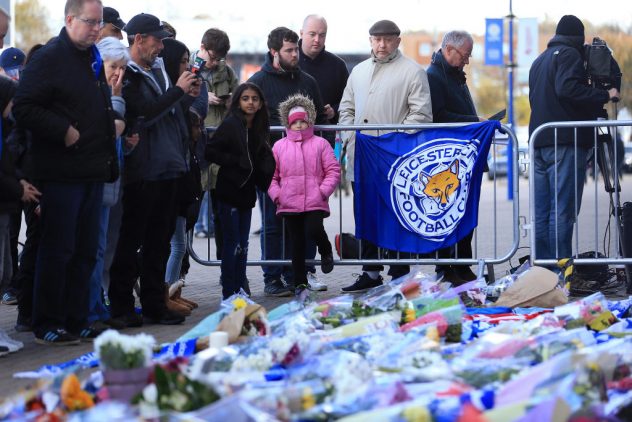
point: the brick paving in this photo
(203, 281)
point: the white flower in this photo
(150, 393)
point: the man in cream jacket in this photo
(387, 88)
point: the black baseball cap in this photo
(146, 24)
(111, 15)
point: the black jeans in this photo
(299, 225)
(149, 218)
(67, 254)
(463, 250)
(23, 280)
(370, 251)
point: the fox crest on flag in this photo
(419, 192)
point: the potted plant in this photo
(125, 362)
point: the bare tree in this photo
(31, 26)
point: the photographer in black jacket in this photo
(559, 90)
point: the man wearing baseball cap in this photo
(112, 24)
(152, 172)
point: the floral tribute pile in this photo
(414, 350)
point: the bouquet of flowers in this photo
(120, 351)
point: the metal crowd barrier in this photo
(496, 238)
(598, 227)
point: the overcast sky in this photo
(248, 22)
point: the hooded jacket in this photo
(58, 89)
(278, 85)
(559, 91)
(307, 172)
(161, 151)
(451, 99)
(390, 91)
(245, 162)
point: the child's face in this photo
(299, 125)
(249, 102)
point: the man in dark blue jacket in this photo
(559, 91)
(64, 100)
(279, 78)
(452, 102)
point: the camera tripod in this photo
(606, 144)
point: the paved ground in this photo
(203, 285)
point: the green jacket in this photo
(221, 81)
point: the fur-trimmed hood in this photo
(295, 101)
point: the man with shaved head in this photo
(329, 70)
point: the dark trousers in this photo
(235, 224)
(219, 242)
(273, 244)
(24, 278)
(15, 224)
(370, 251)
(67, 254)
(463, 250)
(299, 225)
(149, 218)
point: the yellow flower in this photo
(239, 303)
(416, 414)
(409, 315)
(309, 400)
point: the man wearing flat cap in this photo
(559, 91)
(112, 24)
(152, 171)
(387, 88)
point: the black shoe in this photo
(276, 288)
(464, 272)
(23, 324)
(114, 324)
(129, 320)
(166, 318)
(362, 283)
(450, 275)
(56, 337)
(246, 287)
(91, 332)
(327, 263)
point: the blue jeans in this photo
(204, 222)
(96, 308)
(554, 228)
(236, 229)
(178, 249)
(272, 241)
(67, 254)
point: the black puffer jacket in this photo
(245, 161)
(58, 88)
(451, 99)
(559, 91)
(278, 85)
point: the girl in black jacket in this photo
(240, 147)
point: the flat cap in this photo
(384, 27)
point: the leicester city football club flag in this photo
(419, 192)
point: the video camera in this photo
(603, 69)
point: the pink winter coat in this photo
(306, 174)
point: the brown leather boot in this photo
(174, 306)
(177, 296)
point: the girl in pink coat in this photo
(306, 175)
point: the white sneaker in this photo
(8, 342)
(314, 284)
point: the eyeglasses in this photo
(463, 56)
(91, 22)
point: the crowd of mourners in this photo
(106, 157)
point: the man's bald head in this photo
(313, 35)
